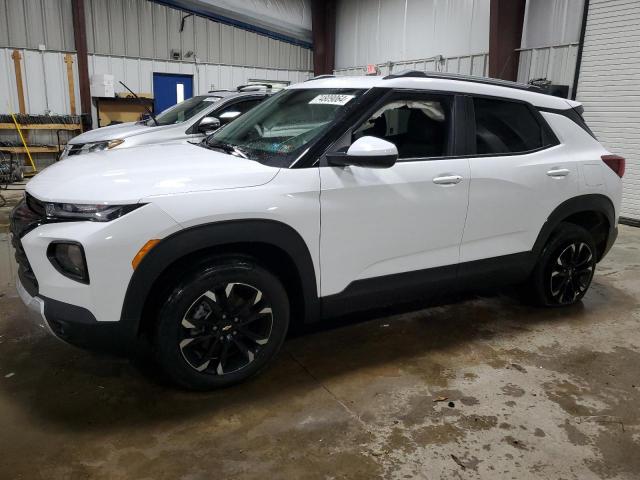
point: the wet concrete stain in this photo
(537, 394)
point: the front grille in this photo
(26, 216)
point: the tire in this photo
(222, 323)
(565, 268)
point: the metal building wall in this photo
(477, 65)
(137, 73)
(129, 39)
(379, 31)
(46, 90)
(140, 28)
(550, 39)
(609, 89)
(45, 84)
(31, 23)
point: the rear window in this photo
(506, 127)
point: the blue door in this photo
(169, 89)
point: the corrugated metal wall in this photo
(45, 84)
(140, 28)
(609, 89)
(550, 38)
(129, 39)
(556, 63)
(551, 22)
(378, 31)
(46, 90)
(30, 23)
(477, 65)
(137, 73)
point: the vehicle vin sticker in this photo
(332, 99)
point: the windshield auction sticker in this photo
(332, 99)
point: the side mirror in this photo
(368, 152)
(226, 117)
(208, 125)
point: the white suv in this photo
(335, 195)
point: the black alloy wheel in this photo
(221, 323)
(225, 328)
(571, 274)
(565, 268)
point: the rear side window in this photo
(506, 127)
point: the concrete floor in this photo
(525, 393)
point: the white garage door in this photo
(609, 87)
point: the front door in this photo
(169, 89)
(407, 218)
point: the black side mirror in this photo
(366, 152)
(208, 125)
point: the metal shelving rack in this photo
(56, 127)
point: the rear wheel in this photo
(565, 269)
(221, 324)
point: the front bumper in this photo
(35, 305)
(86, 315)
(76, 325)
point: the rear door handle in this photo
(447, 180)
(558, 172)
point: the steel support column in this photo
(323, 25)
(80, 39)
(505, 34)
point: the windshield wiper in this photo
(225, 147)
(143, 104)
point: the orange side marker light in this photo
(146, 248)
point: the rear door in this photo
(519, 173)
(407, 218)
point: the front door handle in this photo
(558, 172)
(447, 180)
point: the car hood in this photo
(132, 174)
(119, 131)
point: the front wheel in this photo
(221, 324)
(565, 268)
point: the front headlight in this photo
(93, 213)
(100, 146)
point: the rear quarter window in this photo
(504, 127)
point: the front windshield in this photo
(183, 111)
(279, 129)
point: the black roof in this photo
(464, 78)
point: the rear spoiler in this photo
(577, 106)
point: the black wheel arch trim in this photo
(582, 203)
(219, 234)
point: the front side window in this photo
(505, 127)
(240, 107)
(418, 127)
(278, 130)
(183, 111)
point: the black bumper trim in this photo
(611, 239)
(78, 326)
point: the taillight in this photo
(615, 163)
